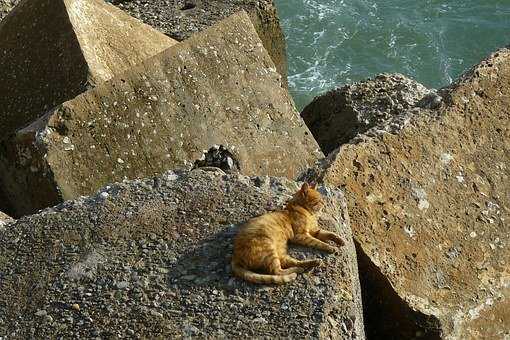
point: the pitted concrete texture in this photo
(430, 205)
(384, 103)
(219, 87)
(53, 50)
(180, 19)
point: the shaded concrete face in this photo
(384, 103)
(430, 205)
(26, 182)
(53, 50)
(4, 202)
(180, 20)
(386, 314)
(219, 87)
(41, 65)
(157, 253)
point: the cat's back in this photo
(273, 224)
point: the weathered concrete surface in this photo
(151, 259)
(53, 50)
(161, 115)
(430, 206)
(180, 19)
(489, 320)
(384, 103)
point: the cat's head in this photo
(308, 198)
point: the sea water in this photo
(333, 42)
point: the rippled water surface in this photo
(333, 42)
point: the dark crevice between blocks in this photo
(5, 207)
(386, 315)
(189, 4)
(218, 157)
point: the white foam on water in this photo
(332, 42)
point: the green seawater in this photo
(334, 42)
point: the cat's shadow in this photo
(208, 264)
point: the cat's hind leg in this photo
(275, 266)
(288, 261)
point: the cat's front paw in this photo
(333, 250)
(313, 263)
(339, 241)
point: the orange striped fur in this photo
(260, 247)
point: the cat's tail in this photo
(261, 278)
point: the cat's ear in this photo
(313, 185)
(305, 187)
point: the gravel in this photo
(179, 19)
(151, 259)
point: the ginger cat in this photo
(261, 244)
